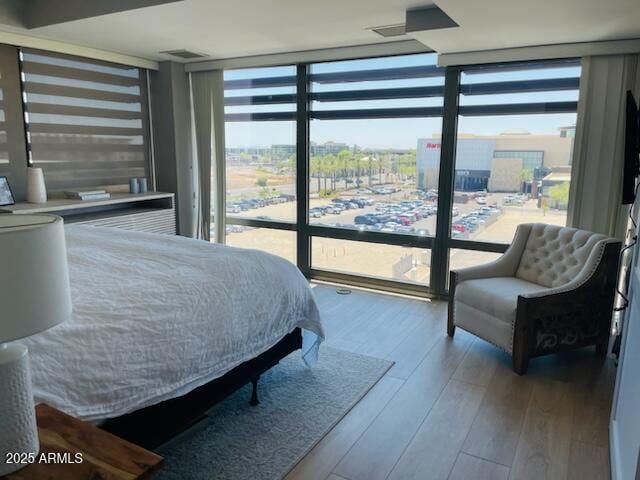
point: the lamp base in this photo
(18, 429)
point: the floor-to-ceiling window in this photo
(368, 119)
(516, 126)
(343, 167)
(260, 139)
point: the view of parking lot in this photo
(375, 146)
(490, 217)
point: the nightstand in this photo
(104, 456)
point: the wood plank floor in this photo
(452, 408)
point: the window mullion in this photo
(302, 168)
(440, 253)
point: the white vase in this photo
(36, 189)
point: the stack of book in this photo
(88, 194)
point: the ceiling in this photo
(227, 29)
(494, 24)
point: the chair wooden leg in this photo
(520, 363)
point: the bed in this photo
(158, 318)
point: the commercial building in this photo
(499, 163)
(327, 148)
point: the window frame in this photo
(441, 243)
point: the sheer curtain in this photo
(207, 97)
(596, 187)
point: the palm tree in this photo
(369, 161)
(315, 168)
(406, 165)
(344, 156)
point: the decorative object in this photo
(298, 406)
(36, 188)
(6, 195)
(35, 296)
(552, 290)
(87, 194)
(134, 185)
(90, 451)
(144, 188)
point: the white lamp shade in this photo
(34, 275)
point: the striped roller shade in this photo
(87, 120)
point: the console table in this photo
(152, 212)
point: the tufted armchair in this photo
(552, 290)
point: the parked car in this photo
(406, 219)
(315, 213)
(365, 220)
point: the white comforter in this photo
(156, 316)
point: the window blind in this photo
(86, 120)
(13, 154)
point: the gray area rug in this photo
(298, 406)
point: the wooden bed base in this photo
(153, 426)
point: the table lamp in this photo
(34, 296)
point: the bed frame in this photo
(153, 426)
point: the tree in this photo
(262, 182)
(356, 160)
(315, 167)
(406, 165)
(331, 166)
(369, 168)
(526, 176)
(560, 194)
(344, 157)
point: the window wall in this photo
(367, 120)
(261, 167)
(515, 133)
(389, 171)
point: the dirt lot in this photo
(247, 178)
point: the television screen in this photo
(631, 150)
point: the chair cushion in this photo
(487, 307)
(554, 255)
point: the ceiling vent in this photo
(184, 54)
(390, 30)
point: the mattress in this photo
(156, 316)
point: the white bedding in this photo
(156, 316)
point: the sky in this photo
(392, 133)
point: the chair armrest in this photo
(505, 266)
